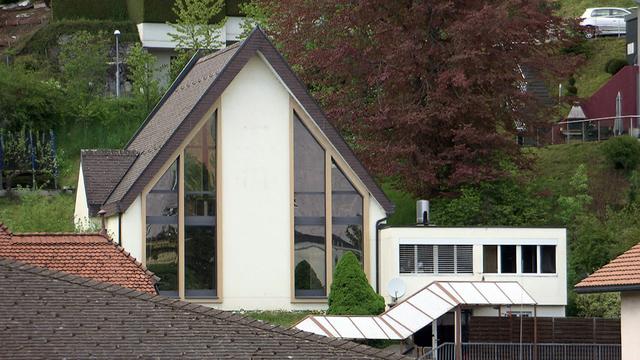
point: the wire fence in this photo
(515, 351)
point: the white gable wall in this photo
(81, 218)
(255, 194)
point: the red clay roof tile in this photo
(89, 255)
(621, 271)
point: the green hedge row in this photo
(114, 10)
(158, 11)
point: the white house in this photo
(621, 275)
(533, 257)
(236, 191)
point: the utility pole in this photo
(117, 35)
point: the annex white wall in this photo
(376, 212)
(131, 226)
(81, 217)
(630, 324)
(255, 194)
(549, 290)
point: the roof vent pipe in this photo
(422, 212)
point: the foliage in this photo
(34, 212)
(28, 101)
(623, 152)
(605, 305)
(45, 40)
(351, 293)
(22, 147)
(154, 11)
(574, 204)
(614, 65)
(90, 9)
(83, 58)
(438, 107)
(256, 15)
(589, 76)
(572, 90)
(282, 318)
(141, 66)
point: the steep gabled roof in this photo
(622, 273)
(50, 314)
(102, 170)
(194, 92)
(92, 255)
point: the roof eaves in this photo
(585, 289)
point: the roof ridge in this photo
(70, 233)
(193, 308)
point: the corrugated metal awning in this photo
(418, 310)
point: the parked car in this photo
(604, 21)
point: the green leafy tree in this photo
(146, 87)
(573, 205)
(606, 305)
(84, 62)
(351, 293)
(196, 28)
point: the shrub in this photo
(572, 90)
(614, 65)
(623, 152)
(90, 9)
(351, 293)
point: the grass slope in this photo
(575, 8)
(32, 212)
(591, 75)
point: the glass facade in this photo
(346, 216)
(309, 214)
(162, 231)
(200, 213)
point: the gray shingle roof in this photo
(49, 314)
(192, 95)
(102, 170)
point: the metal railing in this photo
(515, 351)
(595, 129)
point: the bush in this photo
(572, 90)
(90, 9)
(614, 65)
(351, 293)
(623, 152)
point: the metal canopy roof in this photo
(418, 310)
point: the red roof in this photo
(622, 272)
(603, 102)
(90, 255)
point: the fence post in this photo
(598, 130)
(584, 134)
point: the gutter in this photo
(604, 289)
(378, 228)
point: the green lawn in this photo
(282, 318)
(32, 212)
(575, 8)
(591, 75)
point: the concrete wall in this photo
(630, 325)
(549, 290)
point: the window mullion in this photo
(328, 220)
(181, 225)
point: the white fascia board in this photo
(486, 241)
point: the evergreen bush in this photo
(623, 152)
(351, 293)
(614, 65)
(90, 9)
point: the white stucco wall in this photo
(255, 195)
(549, 290)
(376, 212)
(630, 324)
(131, 226)
(81, 217)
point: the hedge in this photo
(114, 10)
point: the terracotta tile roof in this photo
(91, 255)
(50, 314)
(102, 170)
(197, 88)
(622, 272)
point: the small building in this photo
(621, 275)
(90, 255)
(50, 314)
(535, 258)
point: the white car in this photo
(604, 21)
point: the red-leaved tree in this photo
(426, 91)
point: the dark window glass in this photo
(508, 259)
(425, 259)
(407, 259)
(548, 259)
(309, 214)
(464, 259)
(346, 207)
(200, 213)
(446, 263)
(529, 259)
(490, 259)
(162, 231)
